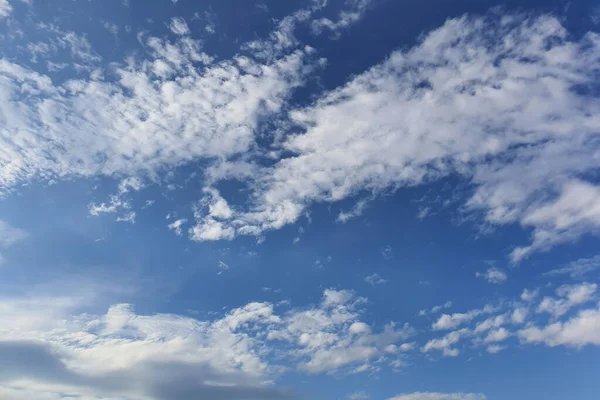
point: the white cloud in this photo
(356, 211)
(176, 226)
(493, 275)
(332, 338)
(519, 315)
(346, 18)
(529, 295)
(375, 280)
(5, 8)
(439, 396)
(128, 217)
(386, 251)
(359, 396)
(112, 28)
(497, 335)
(163, 110)
(223, 266)
(152, 355)
(436, 309)
(574, 212)
(492, 322)
(9, 235)
(445, 343)
(524, 158)
(493, 349)
(179, 27)
(578, 268)
(135, 356)
(405, 347)
(535, 139)
(578, 331)
(451, 321)
(570, 295)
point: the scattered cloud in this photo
(112, 28)
(439, 396)
(359, 396)
(577, 269)
(333, 339)
(223, 266)
(452, 321)
(436, 309)
(536, 139)
(493, 275)
(529, 295)
(10, 235)
(179, 27)
(128, 217)
(176, 226)
(446, 343)
(386, 252)
(570, 295)
(356, 211)
(345, 18)
(130, 355)
(578, 331)
(48, 339)
(5, 8)
(493, 349)
(375, 280)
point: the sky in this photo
(304, 199)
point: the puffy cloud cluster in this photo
(332, 336)
(49, 343)
(493, 275)
(521, 319)
(581, 330)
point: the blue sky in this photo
(309, 199)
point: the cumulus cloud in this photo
(439, 396)
(493, 275)
(569, 296)
(451, 321)
(131, 356)
(529, 295)
(446, 343)
(578, 331)
(5, 8)
(332, 338)
(49, 342)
